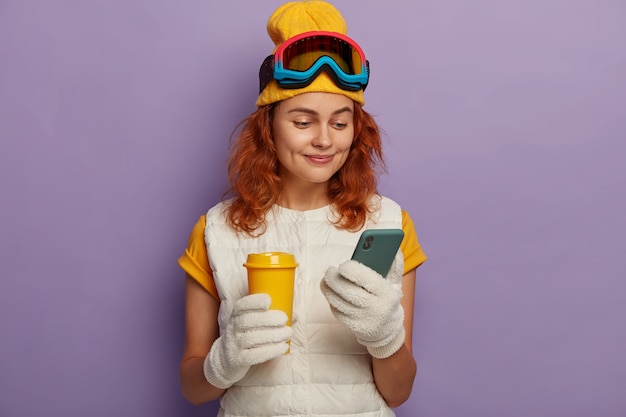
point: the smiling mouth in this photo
(319, 159)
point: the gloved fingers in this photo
(253, 339)
(264, 353)
(259, 319)
(363, 276)
(252, 302)
(336, 285)
(373, 282)
(346, 304)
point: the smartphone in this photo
(377, 248)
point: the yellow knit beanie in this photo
(294, 18)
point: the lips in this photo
(319, 159)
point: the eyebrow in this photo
(314, 113)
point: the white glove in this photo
(254, 335)
(368, 304)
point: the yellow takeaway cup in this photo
(273, 273)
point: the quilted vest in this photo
(327, 373)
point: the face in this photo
(313, 133)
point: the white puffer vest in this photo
(327, 373)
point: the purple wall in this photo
(506, 141)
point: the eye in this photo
(340, 126)
(301, 124)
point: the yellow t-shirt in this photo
(195, 260)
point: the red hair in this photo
(255, 184)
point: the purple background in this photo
(506, 128)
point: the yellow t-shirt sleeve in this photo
(195, 260)
(414, 256)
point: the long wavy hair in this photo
(255, 184)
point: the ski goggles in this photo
(300, 59)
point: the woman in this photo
(303, 181)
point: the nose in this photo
(322, 139)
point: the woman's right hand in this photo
(255, 334)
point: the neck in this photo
(304, 197)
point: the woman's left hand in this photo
(368, 305)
